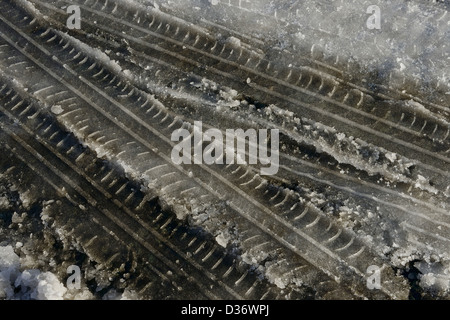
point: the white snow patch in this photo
(420, 108)
(4, 203)
(423, 184)
(340, 136)
(57, 109)
(228, 95)
(391, 156)
(97, 54)
(222, 239)
(9, 270)
(234, 41)
(29, 284)
(40, 286)
(126, 295)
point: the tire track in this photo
(139, 230)
(405, 116)
(162, 35)
(434, 216)
(281, 21)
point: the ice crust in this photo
(29, 284)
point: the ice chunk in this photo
(57, 109)
(222, 239)
(9, 270)
(40, 286)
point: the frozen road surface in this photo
(224, 149)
